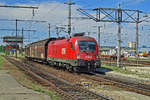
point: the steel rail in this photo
(62, 87)
(130, 86)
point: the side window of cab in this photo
(72, 47)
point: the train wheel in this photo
(69, 68)
(76, 69)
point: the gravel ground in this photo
(10, 89)
(118, 94)
(138, 75)
(27, 83)
(132, 78)
(141, 70)
(106, 90)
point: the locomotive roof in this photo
(42, 41)
(76, 37)
(83, 37)
(61, 38)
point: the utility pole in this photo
(57, 32)
(16, 37)
(17, 27)
(6, 6)
(22, 41)
(69, 20)
(119, 39)
(116, 15)
(69, 17)
(88, 33)
(49, 32)
(99, 29)
(137, 34)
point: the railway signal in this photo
(12, 39)
(26, 7)
(20, 20)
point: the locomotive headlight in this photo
(78, 56)
(97, 56)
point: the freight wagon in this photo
(79, 54)
(37, 51)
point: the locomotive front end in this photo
(87, 55)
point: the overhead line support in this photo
(117, 15)
(119, 37)
(49, 32)
(137, 33)
(29, 7)
(7, 6)
(69, 17)
(15, 30)
(16, 38)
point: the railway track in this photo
(114, 63)
(127, 85)
(65, 89)
(126, 63)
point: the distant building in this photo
(111, 50)
(132, 45)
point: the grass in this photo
(124, 70)
(2, 54)
(115, 68)
(36, 87)
(1, 62)
(27, 82)
(51, 94)
(139, 59)
(18, 55)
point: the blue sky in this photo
(130, 4)
(55, 13)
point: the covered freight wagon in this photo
(38, 50)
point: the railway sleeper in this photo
(79, 94)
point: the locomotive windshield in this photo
(87, 46)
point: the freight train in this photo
(78, 53)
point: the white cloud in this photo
(56, 14)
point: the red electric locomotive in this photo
(79, 54)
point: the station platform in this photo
(10, 89)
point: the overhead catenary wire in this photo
(86, 3)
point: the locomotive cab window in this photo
(87, 46)
(72, 47)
